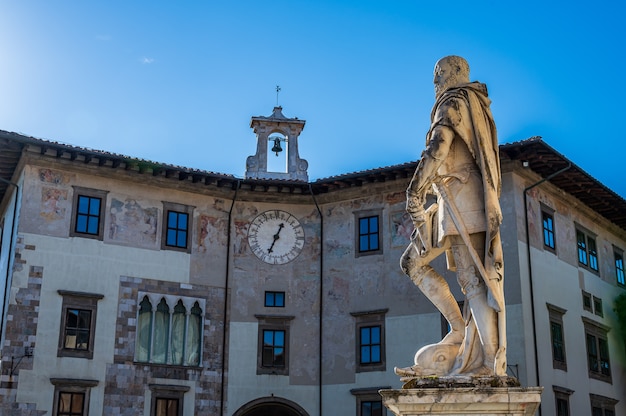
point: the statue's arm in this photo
(441, 138)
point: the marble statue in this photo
(461, 168)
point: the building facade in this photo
(140, 288)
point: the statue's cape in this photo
(482, 142)
(483, 145)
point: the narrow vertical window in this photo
(161, 333)
(557, 337)
(619, 268)
(194, 336)
(144, 331)
(178, 333)
(368, 233)
(370, 342)
(581, 240)
(548, 231)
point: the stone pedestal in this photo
(440, 397)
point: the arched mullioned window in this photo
(170, 332)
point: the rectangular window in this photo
(587, 251)
(368, 234)
(587, 301)
(171, 332)
(275, 299)
(597, 306)
(598, 361)
(88, 213)
(78, 319)
(561, 397)
(370, 345)
(557, 337)
(372, 408)
(71, 396)
(619, 268)
(71, 404)
(548, 231)
(176, 227)
(77, 329)
(166, 407)
(273, 348)
(273, 344)
(177, 223)
(370, 340)
(602, 406)
(368, 401)
(167, 400)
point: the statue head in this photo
(450, 71)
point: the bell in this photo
(277, 149)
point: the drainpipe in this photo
(226, 281)
(321, 310)
(530, 269)
(9, 256)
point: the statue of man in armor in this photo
(461, 168)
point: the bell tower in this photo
(277, 134)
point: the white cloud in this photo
(146, 60)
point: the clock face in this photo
(276, 237)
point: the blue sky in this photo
(177, 82)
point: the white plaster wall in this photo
(83, 265)
(244, 385)
(560, 284)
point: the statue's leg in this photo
(435, 288)
(475, 290)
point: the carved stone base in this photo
(488, 396)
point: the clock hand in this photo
(276, 237)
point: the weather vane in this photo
(277, 91)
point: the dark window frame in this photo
(587, 250)
(548, 229)
(177, 209)
(597, 306)
(561, 397)
(272, 297)
(596, 334)
(78, 301)
(368, 215)
(370, 319)
(602, 405)
(587, 303)
(369, 395)
(557, 337)
(273, 323)
(72, 386)
(80, 192)
(620, 270)
(167, 392)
